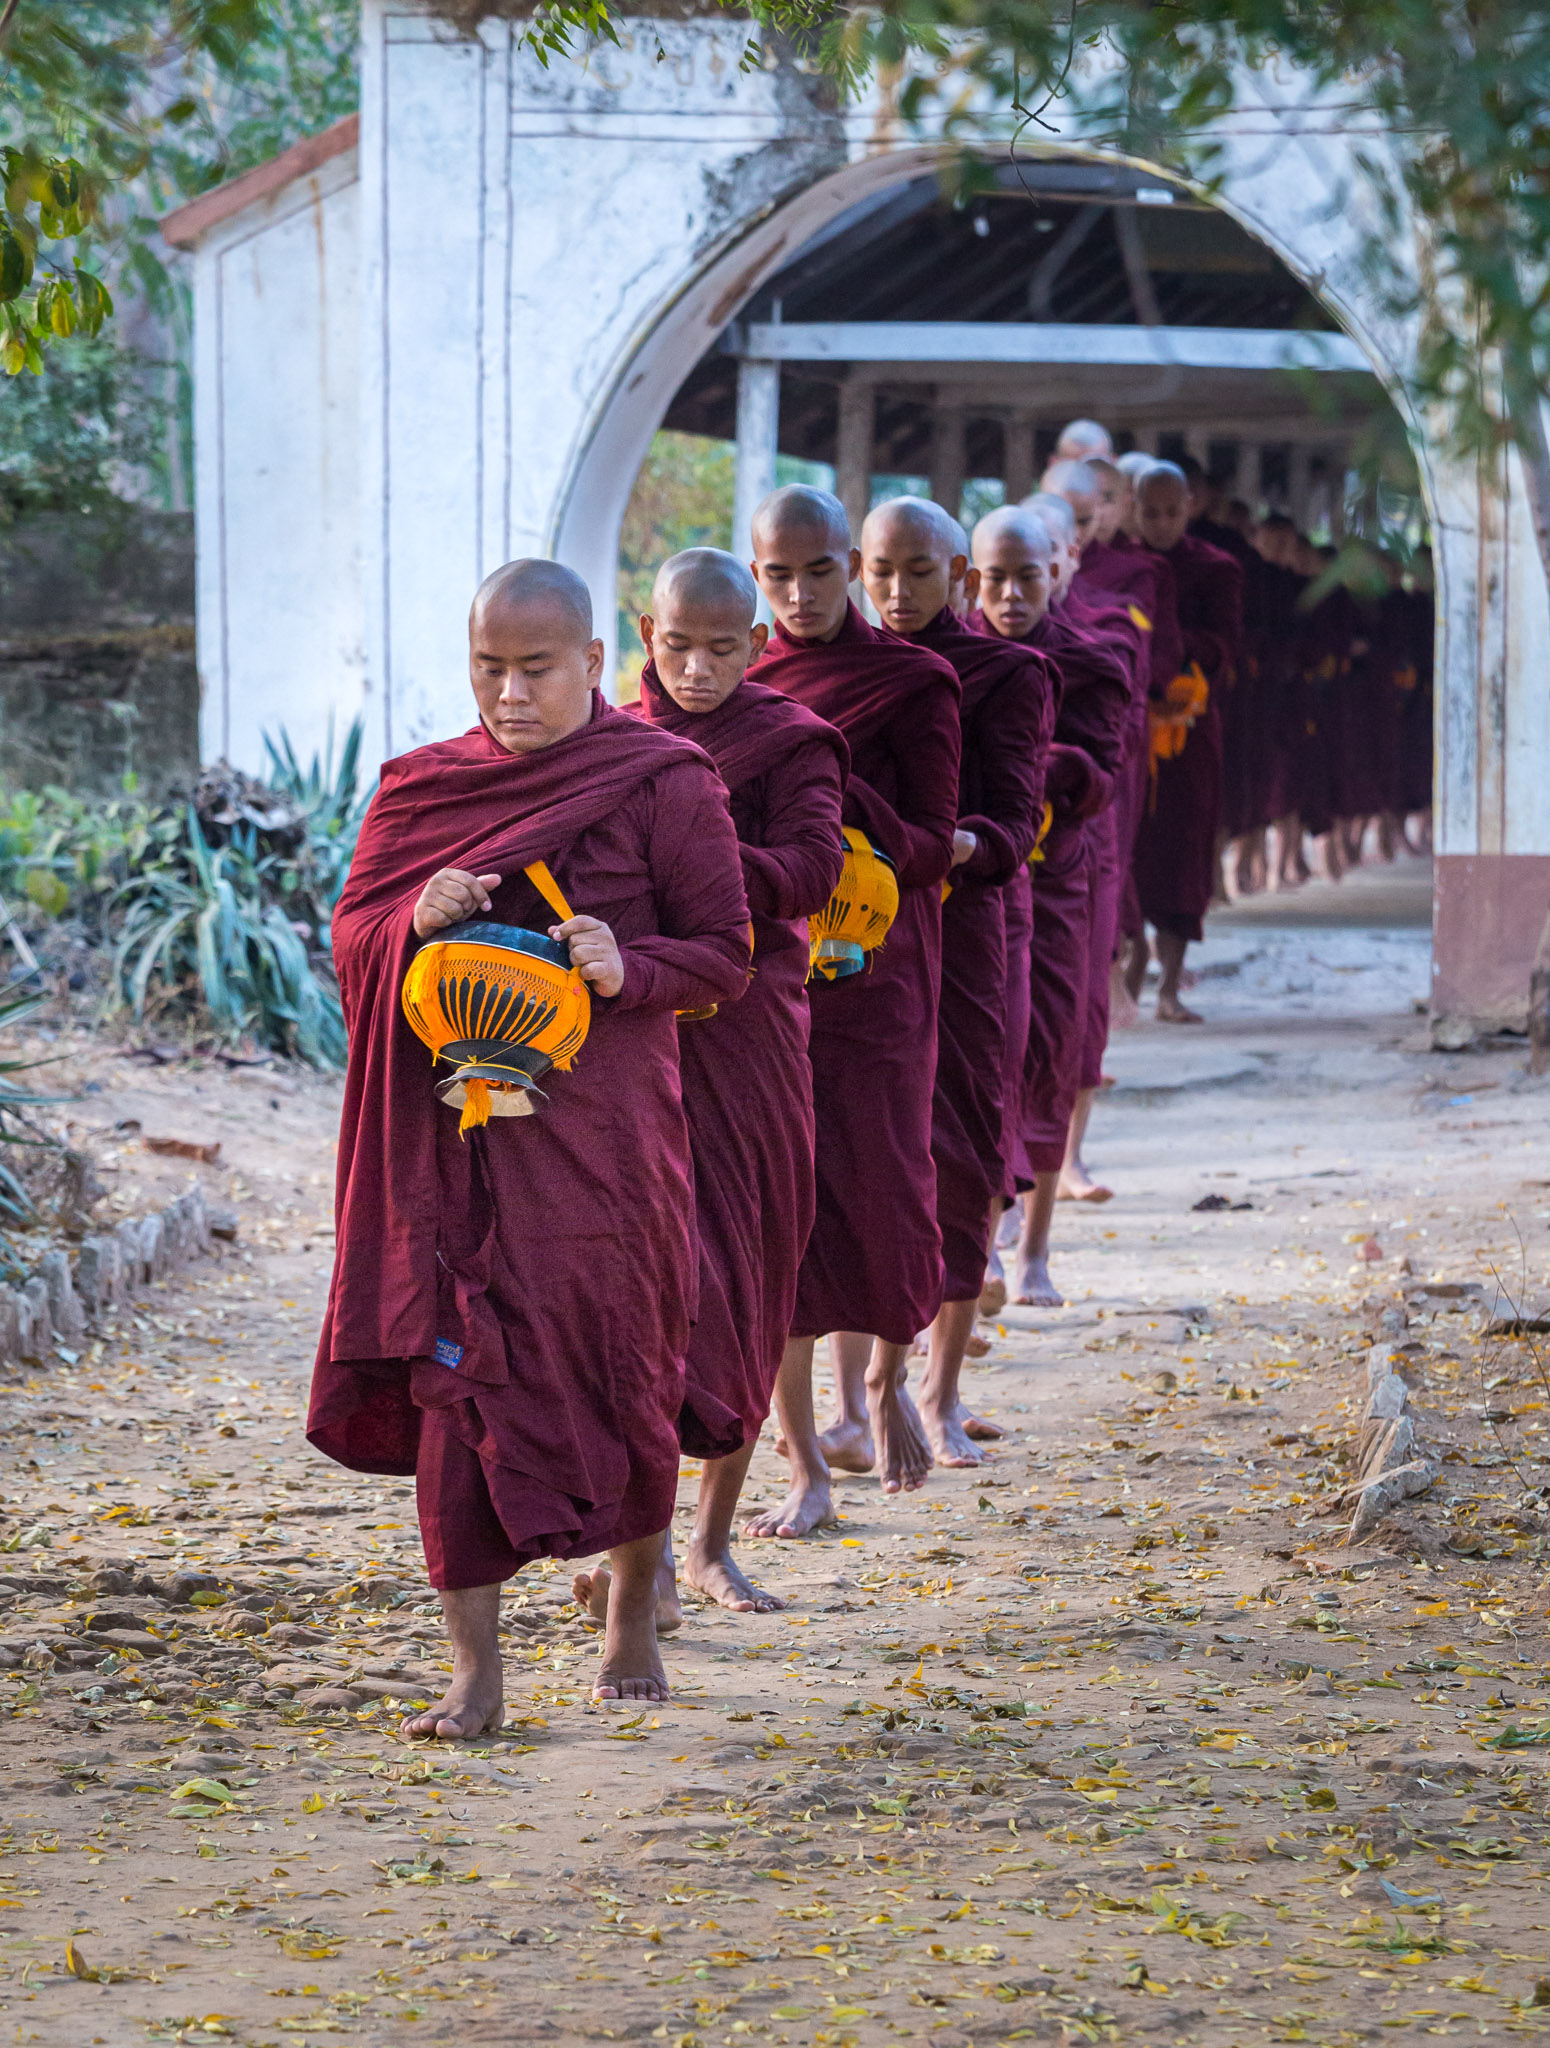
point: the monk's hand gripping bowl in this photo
(858, 916)
(500, 1005)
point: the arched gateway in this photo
(447, 339)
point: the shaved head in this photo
(700, 631)
(917, 520)
(535, 582)
(1014, 521)
(798, 508)
(705, 579)
(914, 557)
(1014, 557)
(1162, 506)
(804, 562)
(532, 658)
(1056, 513)
(1158, 474)
(1135, 464)
(1069, 478)
(1114, 497)
(1081, 438)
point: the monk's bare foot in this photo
(977, 1347)
(1035, 1288)
(718, 1578)
(472, 1705)
(1078, 1185)
(993, 1293)
(1009, 1229)
(847, 1446)
(1124, 1010)
(591, 1590)
(978, 1427)
(1171, 1011)
(632, 1665)
(904, 1454)
(808, 1506)
(945, 1433)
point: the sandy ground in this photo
(1114, 1739)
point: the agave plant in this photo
(16, 1128)
(331, 801)
(206, 920)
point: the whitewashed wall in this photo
(543, 256)
(277, 465)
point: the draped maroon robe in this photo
(1007, 719)
(747, 1078)
(874, 1259)
(1175, 857)
(1086, 759)
(509, 1316)
(1123, 569)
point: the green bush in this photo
(215, 909)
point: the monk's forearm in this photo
(683, 974)
(792, 881)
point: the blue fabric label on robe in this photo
(448, 1353)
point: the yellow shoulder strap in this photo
(538, 874)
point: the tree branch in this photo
(6, 18)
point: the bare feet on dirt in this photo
(1035, 1288)
(718, 1578)
(945, 1432)
(903, 1452)
(1078, 1185)
(847, 1446)
(1171, 1011)
(632, 1664)
(808, 1506)
(592, 1591)
(472, 1705)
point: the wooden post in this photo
(758, 431)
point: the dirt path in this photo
(1113, 1739)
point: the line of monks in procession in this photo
(743, 1146)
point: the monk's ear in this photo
(647, 629)
(594, 654)
(759, 639)
(971, 586)
(957, 568)
(855, 565)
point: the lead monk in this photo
(509, 1315)
(747, 1079)
(872, 1276)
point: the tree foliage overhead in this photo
(114, 111)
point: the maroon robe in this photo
(509, 1315)
(1087, 758)
(874, 1260)
(1175, 857)
(1007, 719)
(1121, 628)
(747, 1079)
(1123, 568)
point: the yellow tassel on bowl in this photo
(476, 1105)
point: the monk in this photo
(510, 1311)
(1175, 859)
(1079, 440)
(747, 1078)
(1069, 506)
(1019, 565)
(914, 565)
(872, 1275)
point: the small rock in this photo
(182, 1586)
(223, 1221)
(334, 1696)
(1370, 1250)
(1317, 1684)
(140, 1640)
(112, 1578)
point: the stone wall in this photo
(97, 671)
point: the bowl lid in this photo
(509, 938)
